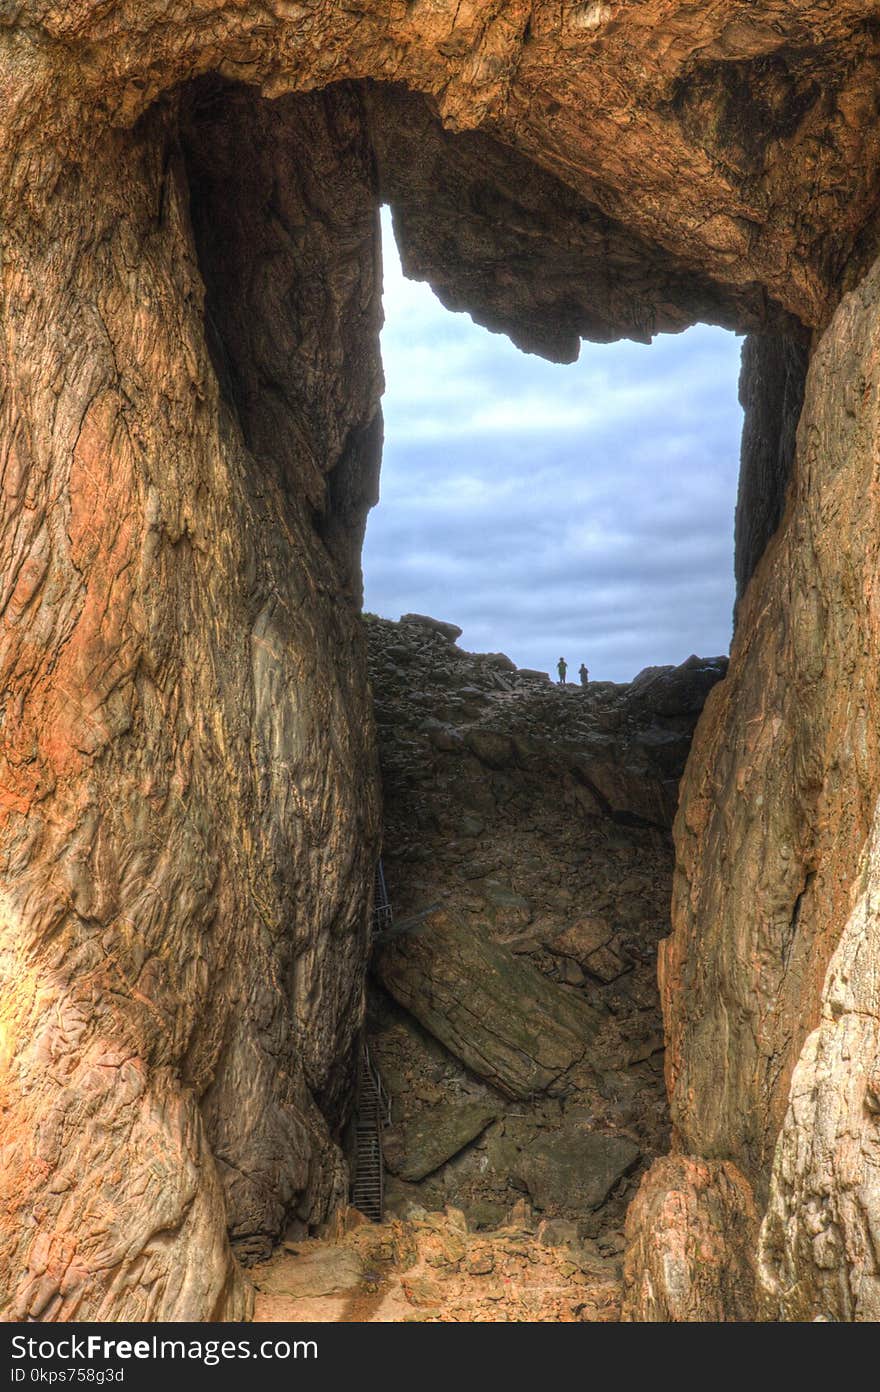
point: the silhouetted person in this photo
(562, 668)
(583, 674)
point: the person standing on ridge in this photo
(583, 674)
(562, 668)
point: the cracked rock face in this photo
(783, 782)
(516, 1024)
(692, 1234)
(189, 442)
(500, 1016)
(818, 1250)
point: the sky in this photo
(583, 511)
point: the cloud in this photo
(583, 509)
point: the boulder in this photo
(409, 1202)
(483, 1215)
(574, 1169)
(446, 739)
(494, 750)
(422, 1145)
(558, 1232)
(506, 1021)
(450, 631)
(588, 942)
(506, 908)
(319, 1271)
(677, 691)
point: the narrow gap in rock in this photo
(514, 1015)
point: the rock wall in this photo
(818, 1249)
(526, 841)
(738, 140)
(692, 1235)
(773, 860)
(771, 392)
(188, 820)
(778, 800)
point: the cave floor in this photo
(436, 1271)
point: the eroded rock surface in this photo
(189, 821)
(434, 1137)
(778, 799)
(692, 1234)
(527, 854)
(499, 1015)
(776, 862)
(771, 392)
(736, 144)
(574, 1170)
(310, 1271)
(818, 1251)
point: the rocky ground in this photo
(513, 1014)
(432, 1268)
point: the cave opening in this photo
(526, 828)
(581, 508)
(519, 1029)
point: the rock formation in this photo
(189, 810)
(779, 798)
(772, 397)
(189, 441)
(513, 1008)
(692, 1234)
(514, 1014)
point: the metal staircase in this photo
(373, 1105)
(372, 1113)
(383, 915)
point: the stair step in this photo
(369, 1170)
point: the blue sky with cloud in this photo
(583, 510)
